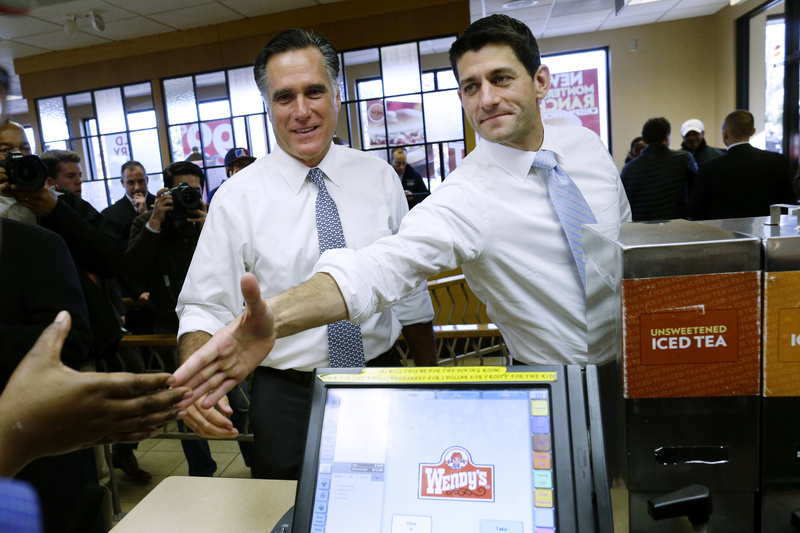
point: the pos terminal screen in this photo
(406, 460)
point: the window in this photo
(774, 52)
(401, 95)
(106, 127)
(404, 95)
(208, 114)
(762, 63)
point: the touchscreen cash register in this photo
(438, 450)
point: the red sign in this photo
(456, 477)
(217, 139)
(573, 100)
(690, 337)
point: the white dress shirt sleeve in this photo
(437, 235)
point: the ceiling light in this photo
(519, 4)
(97, 21)
(70, 26)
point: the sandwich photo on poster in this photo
(401, 120)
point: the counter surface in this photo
(201, 504)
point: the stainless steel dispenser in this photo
(677, 306)
(780, 433)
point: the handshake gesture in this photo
(48, 408)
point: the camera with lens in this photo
(27, 172)
(184, 199)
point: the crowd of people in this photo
(67, 257)
(312, 257)
(700, 182)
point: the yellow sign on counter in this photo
(437, 374)
(781, 333)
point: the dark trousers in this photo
(279, 417)
(239, 400)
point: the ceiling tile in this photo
(612, 23)
(184, 19)
(581, 7)
(719, 4)
(526, 13)
(656, 8)
(12, 27)
(578, 20)
(149, 7)
(254, 8)
(61, 41)
(57, 14)
(11, 49)
(675, 14)
(136, 27)
(569, 30)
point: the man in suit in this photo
(744, 181)
(136, 201)
(118, 221)
(413, 185)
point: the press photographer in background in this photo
(162, 241)
(159, 253)
(14, 146)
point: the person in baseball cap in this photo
(694, 142)
(235, 160)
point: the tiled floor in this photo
(164, 457)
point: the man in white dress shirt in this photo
(265, 223)
(493, 216)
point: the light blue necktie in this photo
(345, 347)
(569, 203)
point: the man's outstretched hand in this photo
(48, 408)
(232, 353)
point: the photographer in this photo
(59, 208)
(63, 211)
(159, 253)
(13, 139)
(162, 242)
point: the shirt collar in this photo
(294, 172)
(518, 162)
(738, 144)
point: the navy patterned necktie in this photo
(569, 203)
(345, 346)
